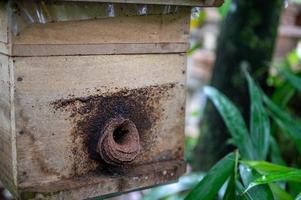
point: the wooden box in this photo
(93, 107)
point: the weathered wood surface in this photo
(117, 35)
(55, 96)
(97, 49)
(4, 30)
(3, 23)
(54, 103)
(203, 3)
(7, 141)
(93, 185)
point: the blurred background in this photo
(221, 39)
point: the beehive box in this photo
(92, 107)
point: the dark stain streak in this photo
(90, 114)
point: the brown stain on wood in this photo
(36, 157)
(90, 114)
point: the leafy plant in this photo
(214, 180)
(249, 175)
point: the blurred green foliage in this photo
(257, 170)
(254, 178)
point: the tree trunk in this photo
(247, 36)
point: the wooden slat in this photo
(92, 49)
(3, 23)
(4, 48)
(203, 3)
(118, 35)
(6, 154)
(136, 29)
(4, 35)
(94, 185)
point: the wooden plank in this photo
(201, 3)
(52, 92)
(4, 35)
(93, 185)
(6, 123)
(3, 23)
(100, 49)
(116, 30)
(4, 48)
(136, 34)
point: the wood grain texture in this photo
(118, 35)
(3, 23)
(6, 126)
(134, 29)
(202, 3)
(62, 82)
(4, 48)
(97, 49)
(93, 185)
(4, 30)
(50, 146)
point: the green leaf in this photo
(240, 189)
(291, 127)
(294, 188)
(214, 180)
(279, 193)
(193, 48)
(298, 197)
(275, 152)
(283, 94)
(293, 79)
(230, 191)
(248, 175)
(260, 123)
(265, 167)
(223, 10)
(292, 175)
(293, 58)
(234, 122)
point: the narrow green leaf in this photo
(294, 188)
(246, 195)
(234, 122)
(293, 79)
(279, 193)
(298, 197)
(266, 167)
(290, 126)
(283, 94)
(293, 175)
(241, 194)
(248, 175)
(275, 152)
(230, 191)
(214, 180)
(260, 122)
